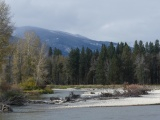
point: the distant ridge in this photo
(61, 40)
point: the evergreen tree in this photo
(153, 70)
(151, 48)
(88, 62)
(114, 71)
(141, 48)
(119, 48)
(119, 51)
(50, 52)
(102, 66)
(59, 70)
(140, 69)
(82, 65)
(57, 52)
(147, 48)
(136, 48)
(91, 75)
(73, 66)
(50, 66)
(111, 50)
(127, 66)
(157, 47)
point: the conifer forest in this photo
(30, 59)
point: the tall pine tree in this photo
(102, 67)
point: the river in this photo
(94, 113)
(60, 112)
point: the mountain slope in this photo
(61, 40)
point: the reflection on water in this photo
(57, 93)
(61, 93)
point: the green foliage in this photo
(57, 52)
(157, 47)
(28, 59)
(114, 71)
(127, 69)
(82, 65)
(6, 29)
(47, 90)
(110, 65)
(50, 52)
(111, 51)
(73, 65)
(29, 84)
(102, 67)
(39, 91)
(58, 71)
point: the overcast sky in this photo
(105, 20)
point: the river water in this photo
(59, 112)
(95, 113)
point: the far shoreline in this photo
(153, 98)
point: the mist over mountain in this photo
(61, 40)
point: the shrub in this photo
(13, 91)
(47, 90)
(36, 92)
(13, 96)
(29, 84)
(4, 86)
(136, 90)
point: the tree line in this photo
(27, 58)
(114, 64)
(109, 65)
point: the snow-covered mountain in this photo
(61, 40)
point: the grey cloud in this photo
(112, 20)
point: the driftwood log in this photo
(54, 98)
(16, 100)
(72, 97)
(5, 108)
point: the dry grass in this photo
(135, 90)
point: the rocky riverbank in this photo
(94, 94)
(133, 95)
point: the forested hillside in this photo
(28, 58)
(110, 65)
(29, 61)
(59, 39)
